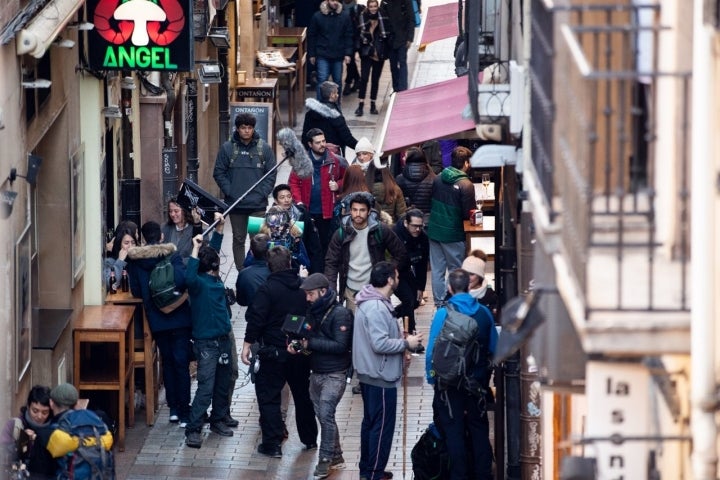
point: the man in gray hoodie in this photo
(378, 351)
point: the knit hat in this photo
(474, 265)
(315, 281)
(364, 145)
(64, 395)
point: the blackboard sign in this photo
(263, 113)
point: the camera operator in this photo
(277, 298)
(328, 343)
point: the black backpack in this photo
(430, 460)
(163, 292)
(457, 352)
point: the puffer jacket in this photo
(330, 340)
(327, 117)
(332, 168)
(238, 166)
(141, 261)
(452, 199)
(416, 181)
(380, 239)
(330, 34)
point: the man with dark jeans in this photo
(460, 415)
(277, 298)
(328, 344)
(212, 342)
(402, 26)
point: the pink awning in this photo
(426, 113)
(440, 22)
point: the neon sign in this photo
(141, 35)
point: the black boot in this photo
(350, 88)
(359, 111)
(373, 110)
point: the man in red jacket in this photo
(318, 192)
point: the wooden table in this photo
(261, 90)
(101, 327)
(145, 355)
(486, 230)
(290, 75)
(293, 37)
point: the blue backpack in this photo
(91, 460)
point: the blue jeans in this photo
(213, 377)
(326, 68)
(473, 423)
(326, 390)
(399, 68)
(376, 431)
(174, 346)
(444, 257)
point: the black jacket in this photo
(415, 181)
(328, 118)
(278, 297)
(338, 253)
(402, 20)
(249, 280)
(418, 252)
(330, 34)
(331, 338)
(141, 261)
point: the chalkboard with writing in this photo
(263, 113)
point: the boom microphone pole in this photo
(299, 161)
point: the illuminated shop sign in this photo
(141, 35)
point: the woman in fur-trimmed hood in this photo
(171, 331)
(328, 117)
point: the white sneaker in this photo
(182, 424)
(174, 418)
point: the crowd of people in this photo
(332, 250)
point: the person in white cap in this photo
(479, 288)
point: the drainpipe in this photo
(223, 87)
(169, 151)
(703, 312)
(191, 146)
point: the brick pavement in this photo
(159, 452)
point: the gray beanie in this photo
(326, 88)
(64, 395)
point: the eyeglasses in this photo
(414, 225)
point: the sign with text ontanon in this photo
(140, 35)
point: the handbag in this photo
(382, 50)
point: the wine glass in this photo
(486, 183)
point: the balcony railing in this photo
(610, 132)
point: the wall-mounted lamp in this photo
(210, 73)
(63, 43)
(33, 168)
(37, 83)
(127, 83)
(219, 36)
(7, 199)
(112, 111)
(82, 26)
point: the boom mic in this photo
(295, 152)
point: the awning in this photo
(426, 113)
(441, 22)
(41, 31)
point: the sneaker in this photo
(322, 469)
(273, 452)
(183, 422)
(230, 421)
(193, 439)
(310, 446)
(221, 429)
(174, 418)
(337, 463)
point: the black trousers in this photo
(271, 379)
(406, 292)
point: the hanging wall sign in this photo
(141, 35)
